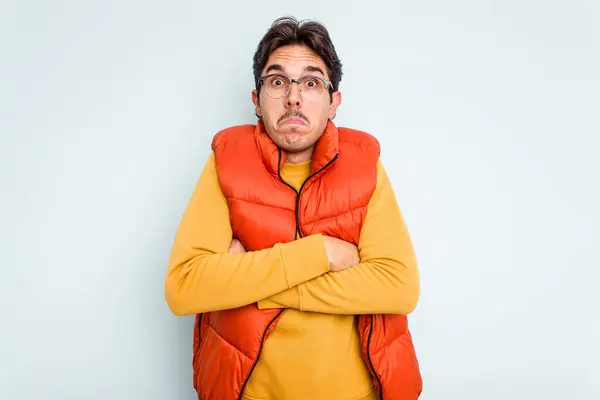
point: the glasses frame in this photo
(327, 84)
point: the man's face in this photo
(296, 121)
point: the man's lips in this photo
(294, 121)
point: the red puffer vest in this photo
(264, 211)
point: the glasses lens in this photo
(276, 86)
(312, 87)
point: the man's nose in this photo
(294, 97)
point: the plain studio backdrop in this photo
(488, 114)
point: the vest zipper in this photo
(197, 352)
(262, 343)
(380, 390)
(299, 192)
(297, 232)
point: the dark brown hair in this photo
(288, 31)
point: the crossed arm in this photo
(315, 273)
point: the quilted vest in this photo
(264, 211)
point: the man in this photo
(292, 252)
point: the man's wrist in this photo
(304, 259)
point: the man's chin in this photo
(294, 148)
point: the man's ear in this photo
(256, 102)
(336, 101)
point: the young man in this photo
(292, 252)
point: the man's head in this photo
(295, 113)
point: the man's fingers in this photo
(236, 247)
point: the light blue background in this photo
(489, 117)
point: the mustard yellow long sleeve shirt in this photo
(314, 352)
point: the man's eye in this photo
(277, 82)
(312, 84)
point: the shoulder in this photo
(359, 143)
(239, 134)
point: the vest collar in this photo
(326, 149)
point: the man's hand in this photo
(342, 255)
(236, 247)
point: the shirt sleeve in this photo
(386, 281)
(202, 276)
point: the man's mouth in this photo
(294, 121)
(293, 117)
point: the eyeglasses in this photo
(278, 86)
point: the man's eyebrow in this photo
(279, 68)
(312, 68)
(274, 67)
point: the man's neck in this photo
(300, 157)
